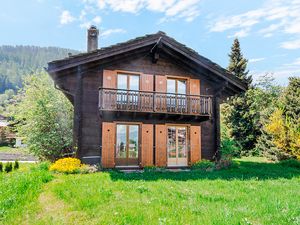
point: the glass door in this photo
(127, 94)
(177, 146)
(176, 99)
(127, 146)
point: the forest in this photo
(16, 62)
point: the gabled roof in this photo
(73, 61)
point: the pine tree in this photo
(241, 116)
(238, 64)
(291, 99)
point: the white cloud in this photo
(160, 5)
(281, 75)
(85, 25)
(101, 4)
(172, 9)
(271, 28)
(109, 32)
(130, 6)
(296, 62)
(97, 20)
(294, 44)
(66, 17)
(284, 17)
(256, 60)
(247, 19)
(240, 34)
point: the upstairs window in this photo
(128, 82)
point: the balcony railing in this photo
(154, 102)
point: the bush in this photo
(45, 118)
(44, 165)
(150, 168)
(16, 165)
(1, 167)
(66, 165)
(8, 167)
(229, 148)
(290, 163)
(203, 165)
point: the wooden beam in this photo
(77, 135)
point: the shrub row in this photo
(9, 166)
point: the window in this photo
(128, 82)
(127, 95)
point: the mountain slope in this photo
(17, 61)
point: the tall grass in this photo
(19, 188)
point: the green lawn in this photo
(7, 149)
(253, 193)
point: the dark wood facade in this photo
(90, 82)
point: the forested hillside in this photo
(17, 61)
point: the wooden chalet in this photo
(148, 101)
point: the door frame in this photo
(187, 126)
(139, 143)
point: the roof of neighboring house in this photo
(140, 42)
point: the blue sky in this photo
(269, 30)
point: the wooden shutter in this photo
(109, 79)
(109, 97)
(195, 140)
(147, 145)
(146, 98)
(194, 86)
(160, 83)
(108, 144)
(160, 86)
(160, 145)
(194, 100)
(146, 82)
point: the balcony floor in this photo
(152, 117)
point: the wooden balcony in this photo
(154, 102)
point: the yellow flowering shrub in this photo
(286, 134)
(66, 165)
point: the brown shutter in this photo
(194, 86)
(146, 82)
(109, 97)
(147, 145)
(195, 139)
(194, 100)
(160, 145)
(160, 86)
(160, 83)
(146, 98)
(108, 144)
(109, 79)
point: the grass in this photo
(18, 189)
(7, 149)
(255, 192)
